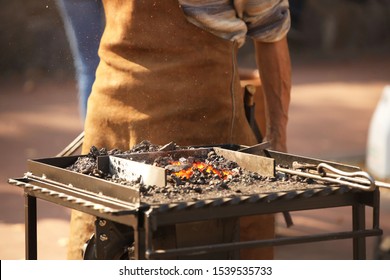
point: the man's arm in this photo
(273, 61)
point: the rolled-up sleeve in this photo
(266, 20)
(263, 20)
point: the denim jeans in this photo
(84, 23)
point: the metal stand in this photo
(148, 222)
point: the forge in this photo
(147, 200)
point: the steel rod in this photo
(30, 210)
(196, 250)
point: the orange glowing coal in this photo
(202, 167)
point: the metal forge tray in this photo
(117, 204)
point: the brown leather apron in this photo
(163, 79)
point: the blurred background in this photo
(340, 51)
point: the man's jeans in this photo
(84, 23)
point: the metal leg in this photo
(30, 212)
(139, 243)
(359, 223)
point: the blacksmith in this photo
(168, 72)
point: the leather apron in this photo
(163, 79)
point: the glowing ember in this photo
(201, 167)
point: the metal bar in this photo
(73, 202)
(255, 148)
(382, 184)
(263, 206)
(30, 212)
(57, 188)
(149, 223)
(376, 209)
(361, 181)
(73, 146)
(262, 243)
(250, 107)
(139, 243)
(359, 224)
(286, 159)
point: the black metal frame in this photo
(49, 180)
(146, 222)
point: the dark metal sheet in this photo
(132, 170)
(55, 169)
(286, 159)
(263, 165)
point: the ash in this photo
(199, 184)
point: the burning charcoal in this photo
(176, 168)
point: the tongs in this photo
(323, 172)
(327, 173)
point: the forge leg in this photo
(30, 212)
(139, 244)
(359, 221)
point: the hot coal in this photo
(186, 182)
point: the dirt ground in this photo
(332, 104)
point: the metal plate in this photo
(132, 171)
